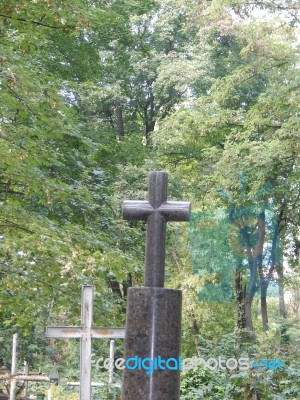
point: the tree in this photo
(244, 123)
(59, 221)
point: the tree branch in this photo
(31, 21)
(14, 225)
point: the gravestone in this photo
(153, 319)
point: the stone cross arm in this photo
(156, 211)
(169, 210)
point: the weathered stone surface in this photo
(153, 328)
(157, 211)
(153, 322)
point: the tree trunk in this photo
(120, 123)
(263, 305)
(248, 313)
(127, 284)
(114, 285)
(196, 332)
(149, 114)
(282, 309)
(251, 288)
(255, 255)
(149, 129)
(240, 294)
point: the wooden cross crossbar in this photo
(86, 332)
(77, 332)
(13, 377)
(156, 211)
(22, 377)
(96, 384)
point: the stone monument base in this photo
(153, 330)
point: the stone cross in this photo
(156, 211)
(153, 317)
(86, 332)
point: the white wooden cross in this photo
(110, 371)
(86, 332)
(13, 377)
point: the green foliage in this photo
(96, 94)
(236, 384)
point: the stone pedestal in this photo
(153, 329)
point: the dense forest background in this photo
(94, 95)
